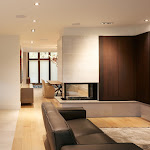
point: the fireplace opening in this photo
(80, 91)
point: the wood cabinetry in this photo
(27, 94)
(143, 68)
(125, 67)
(117, 68)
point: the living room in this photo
(95, 59)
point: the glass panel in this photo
(53, 71)
(44, 70)
(33, 71)
(54, 54)
(44, 55)
(33, 55)
(77, 91)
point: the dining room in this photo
(36, 67)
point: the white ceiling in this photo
(54, 15)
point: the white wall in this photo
(59, 53)
(80, 55)
(9, 72)
(78, 50)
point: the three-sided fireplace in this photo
(79, 91)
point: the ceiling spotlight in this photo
(107, 23)
(76, 24)
(31, 42)
(146, 20)
(32, 30)
(34, 21)
(21, 16)
(36, 4)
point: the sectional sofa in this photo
(68, 129)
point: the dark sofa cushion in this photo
(71, 113)
(118, 146)
(96, 138)
(83, 127)
(58, 131)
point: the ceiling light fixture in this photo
(107, 23)
(76, 24)
(31, 42)
(36, 4)
(20, 16)
(34, 21)
(32, 30)
(146, 20)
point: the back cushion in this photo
(58, 131)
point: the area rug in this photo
(37, 86)
(138, 136)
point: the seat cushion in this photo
(96, 138)
(125, 146)
(83, 127)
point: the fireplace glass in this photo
(80, 91)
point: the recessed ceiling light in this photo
(43, 39)
(146, 20)
(107, 23)
(76, 24)
(36, 4)
(31, 42)
(20, 16)
(34, 21)
(32, 30)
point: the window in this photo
(44, 55)
(33, 55)
(41, 66)
(33, 73)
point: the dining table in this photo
(57, 85)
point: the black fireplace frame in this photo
(94, 91)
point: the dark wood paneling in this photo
(143, 68)
(117, 68)
(110, 68)
(127, 68)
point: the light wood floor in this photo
(30, 128)
(120, 122)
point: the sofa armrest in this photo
(70, 113)
(117, 146)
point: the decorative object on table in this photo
(54, 58)
(28, 80)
